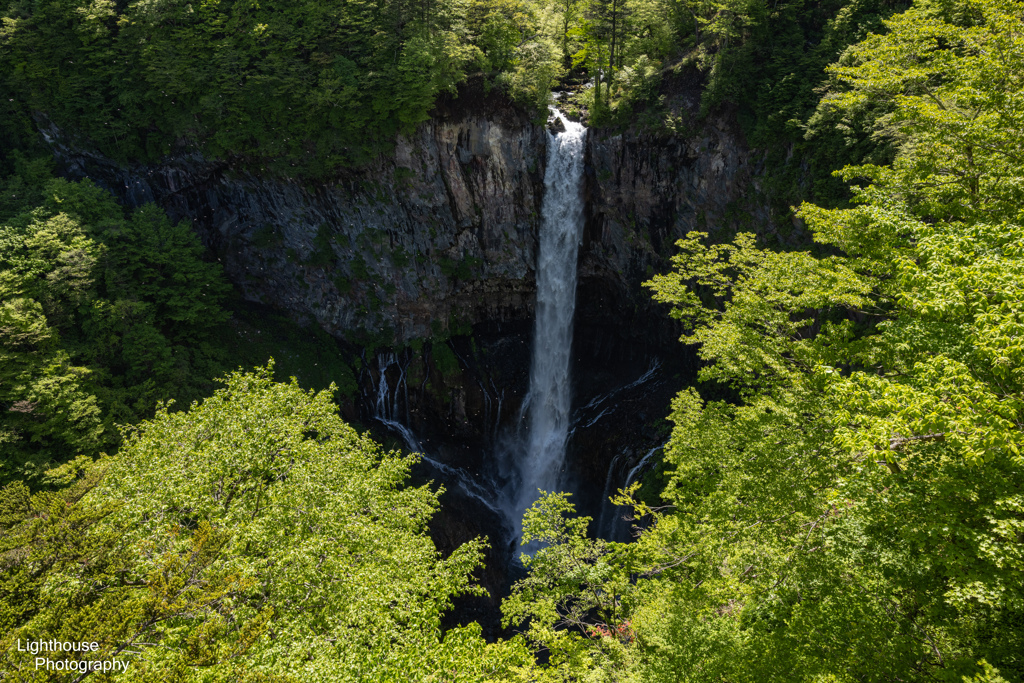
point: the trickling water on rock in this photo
(385, 412)
(550, 395)
(615, 527)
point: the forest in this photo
(186, 477)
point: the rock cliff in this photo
(646, 190)
(423, 264)
(438, 240)
(441, 234)
(442, 231)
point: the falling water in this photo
(385, 411)
(641, 465)
(386, 407)
(611, 526)
(603, 522)
(550, 395)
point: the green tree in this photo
(568, 12)
(255, 534)
(571, 603)
(102, 316)
(301, 87)
(854, 512)
(68, 575)
(869, 475)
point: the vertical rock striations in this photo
(646, 190)
(440, 232)
(439, 239)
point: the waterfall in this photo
(612, 526)
(386, 406)
(641, 465)
(550, 392)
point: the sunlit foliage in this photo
(253, 537)
(857, 513)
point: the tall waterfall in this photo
(550, 395)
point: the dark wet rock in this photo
(438, 240)
(442, 231)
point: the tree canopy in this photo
(254, 537)
(102, 314)
(267, 80)
(304, 88)
(855, 512)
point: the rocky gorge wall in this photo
(423, 265)
(442, 233)
(437, 241)
(646, 190)
(442, 230)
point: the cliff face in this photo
(647, 190)
(442, 231)
(438, 241)
(441, 234)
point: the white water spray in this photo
(641, 465)
(611, 526)
(550, 392)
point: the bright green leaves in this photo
(68, 575)
(955, 77)
(572, 599)
(516, 45)
(857, 515)
(753, 490)
(952, 344)
(622, 44)
(938, 400)
(753, 311)
(49, 414)
(254, 537)
(943, 362)
(317, 516)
